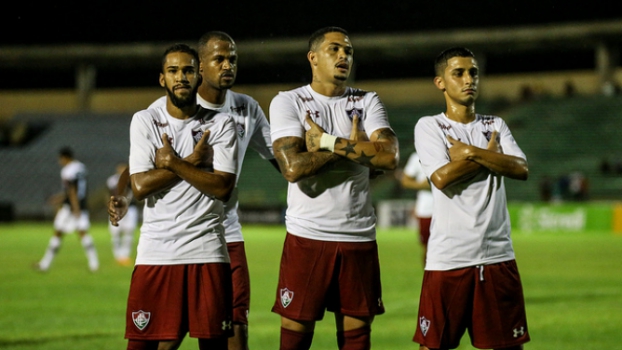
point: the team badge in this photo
(241, 129)
(196, 135)
(355, 112)
(141, 319)
(424, 325)
(286, 297)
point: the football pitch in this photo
(572, 283)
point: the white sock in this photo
(50, 253)
(91, 253)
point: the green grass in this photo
(572, 282)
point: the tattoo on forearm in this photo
(349, 148)
(385, 134)
(364, 159)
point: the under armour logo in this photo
(226, 325)
(519, 332)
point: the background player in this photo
(182, 278)
(330, 220)
(471, 280)
(122, 234)
(73, 214)
(414, 179)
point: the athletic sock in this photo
(91, 253)
(355, 339)
(291, 340)
(50, 253)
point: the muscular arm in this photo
(295, 162)
(217, 184)
(381, 151)
(467, 160)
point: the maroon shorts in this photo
(485, 300)
(315, 276)
(167, 301)
(241, 282)
(424, 230)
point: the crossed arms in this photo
(298, 158)
(467, 160)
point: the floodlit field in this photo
(572, 281)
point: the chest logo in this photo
(241, 129)
(355, 112)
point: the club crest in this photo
(424, 325)
(286, 297)
(355, 112)
(141, 319)
(241, 129)
(196, 135)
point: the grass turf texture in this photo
(572, 282)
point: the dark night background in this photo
(99, 22)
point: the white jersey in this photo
(471, 224)
(252, 129)
(334, 205)
(181, 225)
(425, 203)
(74, 173)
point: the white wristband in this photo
(327, 142)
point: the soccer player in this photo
(73, 215)
(183, 163)
(414, 178)
(471, 279)
(330, 256)
(219, 66)
(122, 234)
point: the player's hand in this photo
(493, 144)
(313, 135)
(117, 208)
(356, 134)
(165, 155)
(458, 150)
(203, 153)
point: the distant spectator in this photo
(546, 189)
(605, 166)
(569, 89)
(578, 186)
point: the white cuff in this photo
(327, 142)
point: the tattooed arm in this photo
(380, 152)
(294, 160)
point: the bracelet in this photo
(327, 142)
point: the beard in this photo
(183, 101)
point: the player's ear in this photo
(162, 82)
(312, 57)
(440, 83)
(201, 67)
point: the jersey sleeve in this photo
(413, 166)
(376, 117)
(142, 145)
(284, 119)
(430, 145)
(261, 141)
(507, 141)
(223, 140)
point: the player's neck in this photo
(211, 95)
(183, 112)
(330, 89)
(461, 113)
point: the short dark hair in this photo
(214, 34)
(179, 48)
(441, 60)
(318, 36)
(66, 152)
